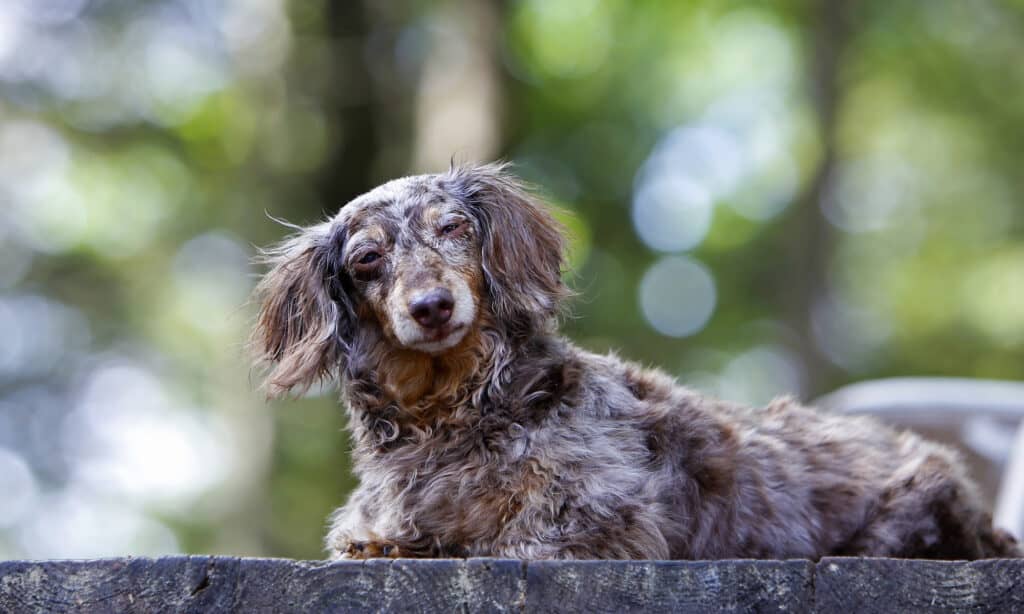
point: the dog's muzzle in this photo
(433, 309)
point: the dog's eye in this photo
(453, 229)
(368, 261)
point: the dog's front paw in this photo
(370, 550)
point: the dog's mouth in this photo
(445, 331)
(441, 338)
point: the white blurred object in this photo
(968, 406)
(678, 296)
(19, 488)
(1009, 509)
(128, 438)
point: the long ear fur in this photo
(522, 245)
(306, 318)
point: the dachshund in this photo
(479, 431)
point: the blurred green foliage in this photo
(847, 175)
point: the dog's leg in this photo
(370, 550)
(357, 541)
(351, 542)
(356, 535)
(930, 511)
(363, 529)
(998, 544)
(629, 533)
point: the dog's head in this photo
(419, 263)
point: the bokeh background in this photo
(765, 198)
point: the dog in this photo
(478, 431)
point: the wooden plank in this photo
(225, 584)
(669, 586)
(901, 585)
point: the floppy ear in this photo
(522, 245)
(306, 318)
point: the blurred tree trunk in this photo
(458, 112)
(347, 169)
(811, 238)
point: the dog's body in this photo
(480, 432)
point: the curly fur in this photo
(493, 436)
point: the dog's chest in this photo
(468, 489)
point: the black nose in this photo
(433, 308)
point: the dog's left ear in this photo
(522, 245)
(306, 317)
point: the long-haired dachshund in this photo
(479, 431)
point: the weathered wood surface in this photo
(893, 585)
(225, 584)
(669, 586)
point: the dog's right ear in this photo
(306, 316)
